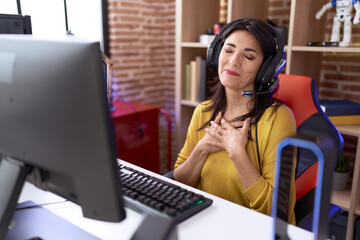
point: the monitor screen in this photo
(55, 123)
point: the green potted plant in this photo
(341, 174)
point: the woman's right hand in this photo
(205, 147)
(189, 172)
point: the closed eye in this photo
(249, 57)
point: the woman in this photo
(232, 138)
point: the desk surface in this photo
(222, 220)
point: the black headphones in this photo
(270, 68)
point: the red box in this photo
(136, 133)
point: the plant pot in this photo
(340, 180)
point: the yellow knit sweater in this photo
(219, 175)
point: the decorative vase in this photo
(340, 180)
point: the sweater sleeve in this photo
(272, 129)
(193, 135)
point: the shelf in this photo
(326, 49)
(189, 103)
(353, 198)
(351, 130)
(341, 198)
(193, 17)
(357, 210)
(194, 45)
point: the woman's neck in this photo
(237, 105)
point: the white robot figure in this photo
(343, 15)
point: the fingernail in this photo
(222, 120)
(211, 122)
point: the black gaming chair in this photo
(299, 93)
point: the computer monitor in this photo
(15, 24)
(55, 126)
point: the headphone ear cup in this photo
(269, 70)
(213, 51)
(263, 72)
(209, 56)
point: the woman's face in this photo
(239, 61)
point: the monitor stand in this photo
(157, 227)
(12, 177)
(31, 221)
(39, 223)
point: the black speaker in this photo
(271, 66)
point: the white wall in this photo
(48, 17)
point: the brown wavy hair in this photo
(263, 32)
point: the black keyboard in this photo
(147, 193)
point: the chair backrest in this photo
(299, 93)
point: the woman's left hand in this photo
(232, 139)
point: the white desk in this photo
(222, 220)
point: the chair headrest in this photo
(299, 94)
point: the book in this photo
(193, 84)
(186, 86)
(345, 120)
(198, 78)
(203, 82)
(340, 107)
(341, 112)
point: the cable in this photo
(256, 133)
(66, 18)
(40, 205)
(168, 118)
(18, 3)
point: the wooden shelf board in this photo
(326, 49)
(341, 198)
(357, 210)
(194, 44)
(189, 103)
(351, 130)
